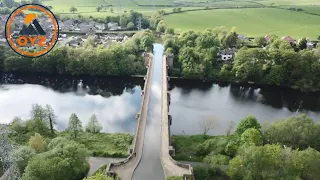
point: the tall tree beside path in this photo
(93, 125)
(75, 125)
(51, 116)
(73, 9)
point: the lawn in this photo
(251, 22)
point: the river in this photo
(115, 101)
(192, 101)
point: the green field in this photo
(289, 2)
(251, 22)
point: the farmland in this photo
(252, 22)
(253, 18)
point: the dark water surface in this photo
(193, 100)
(115, 101)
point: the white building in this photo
(226, 54)
(113, 26)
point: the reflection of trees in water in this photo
(104, 86)
(188, 86)
(272, 96)
(243, 93)
(278, 97)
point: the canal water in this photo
(115, 101)
(150, 166)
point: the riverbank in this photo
(114, 145)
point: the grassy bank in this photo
(196, 147)
(186, 146)
(99, 144)
(104, 144)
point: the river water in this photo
(192, 101)
(115, 101)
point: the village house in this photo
(113, 26)
(226, 54)
(310, 44)
(288, 39)
(242, 37)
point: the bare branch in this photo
(207, 123)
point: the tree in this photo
(8, 3)
(124, 20)
(99, 8)
(99, 176)
(296, 131)
(65, 160)
(38, 112)
(179, 9)
(111, 10)
(18, 125)
(51, 116)
(303, 44)
(162, 26)
(37, 143)
(247, 123)
(35, 2)
(252, 136)
(130, 25)
(230, 40)
(260, 41)
(230, 127)
(75, 125)
(93, 125)
(207, 123)
(24, 2)
(272, 161)
(25, 153)
(170, 31)
(73, 9)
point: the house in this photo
(62, 36)
(242, 37)
(100, 27)
(226, 54)
(288, 39)
(267, 37)
(113, 26)
(310, 44)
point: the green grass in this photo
(308, 9)
(104, 144)
(289, 2)
(252, 22)
(186, 146)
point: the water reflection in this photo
(232, 102)
(115, 101)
